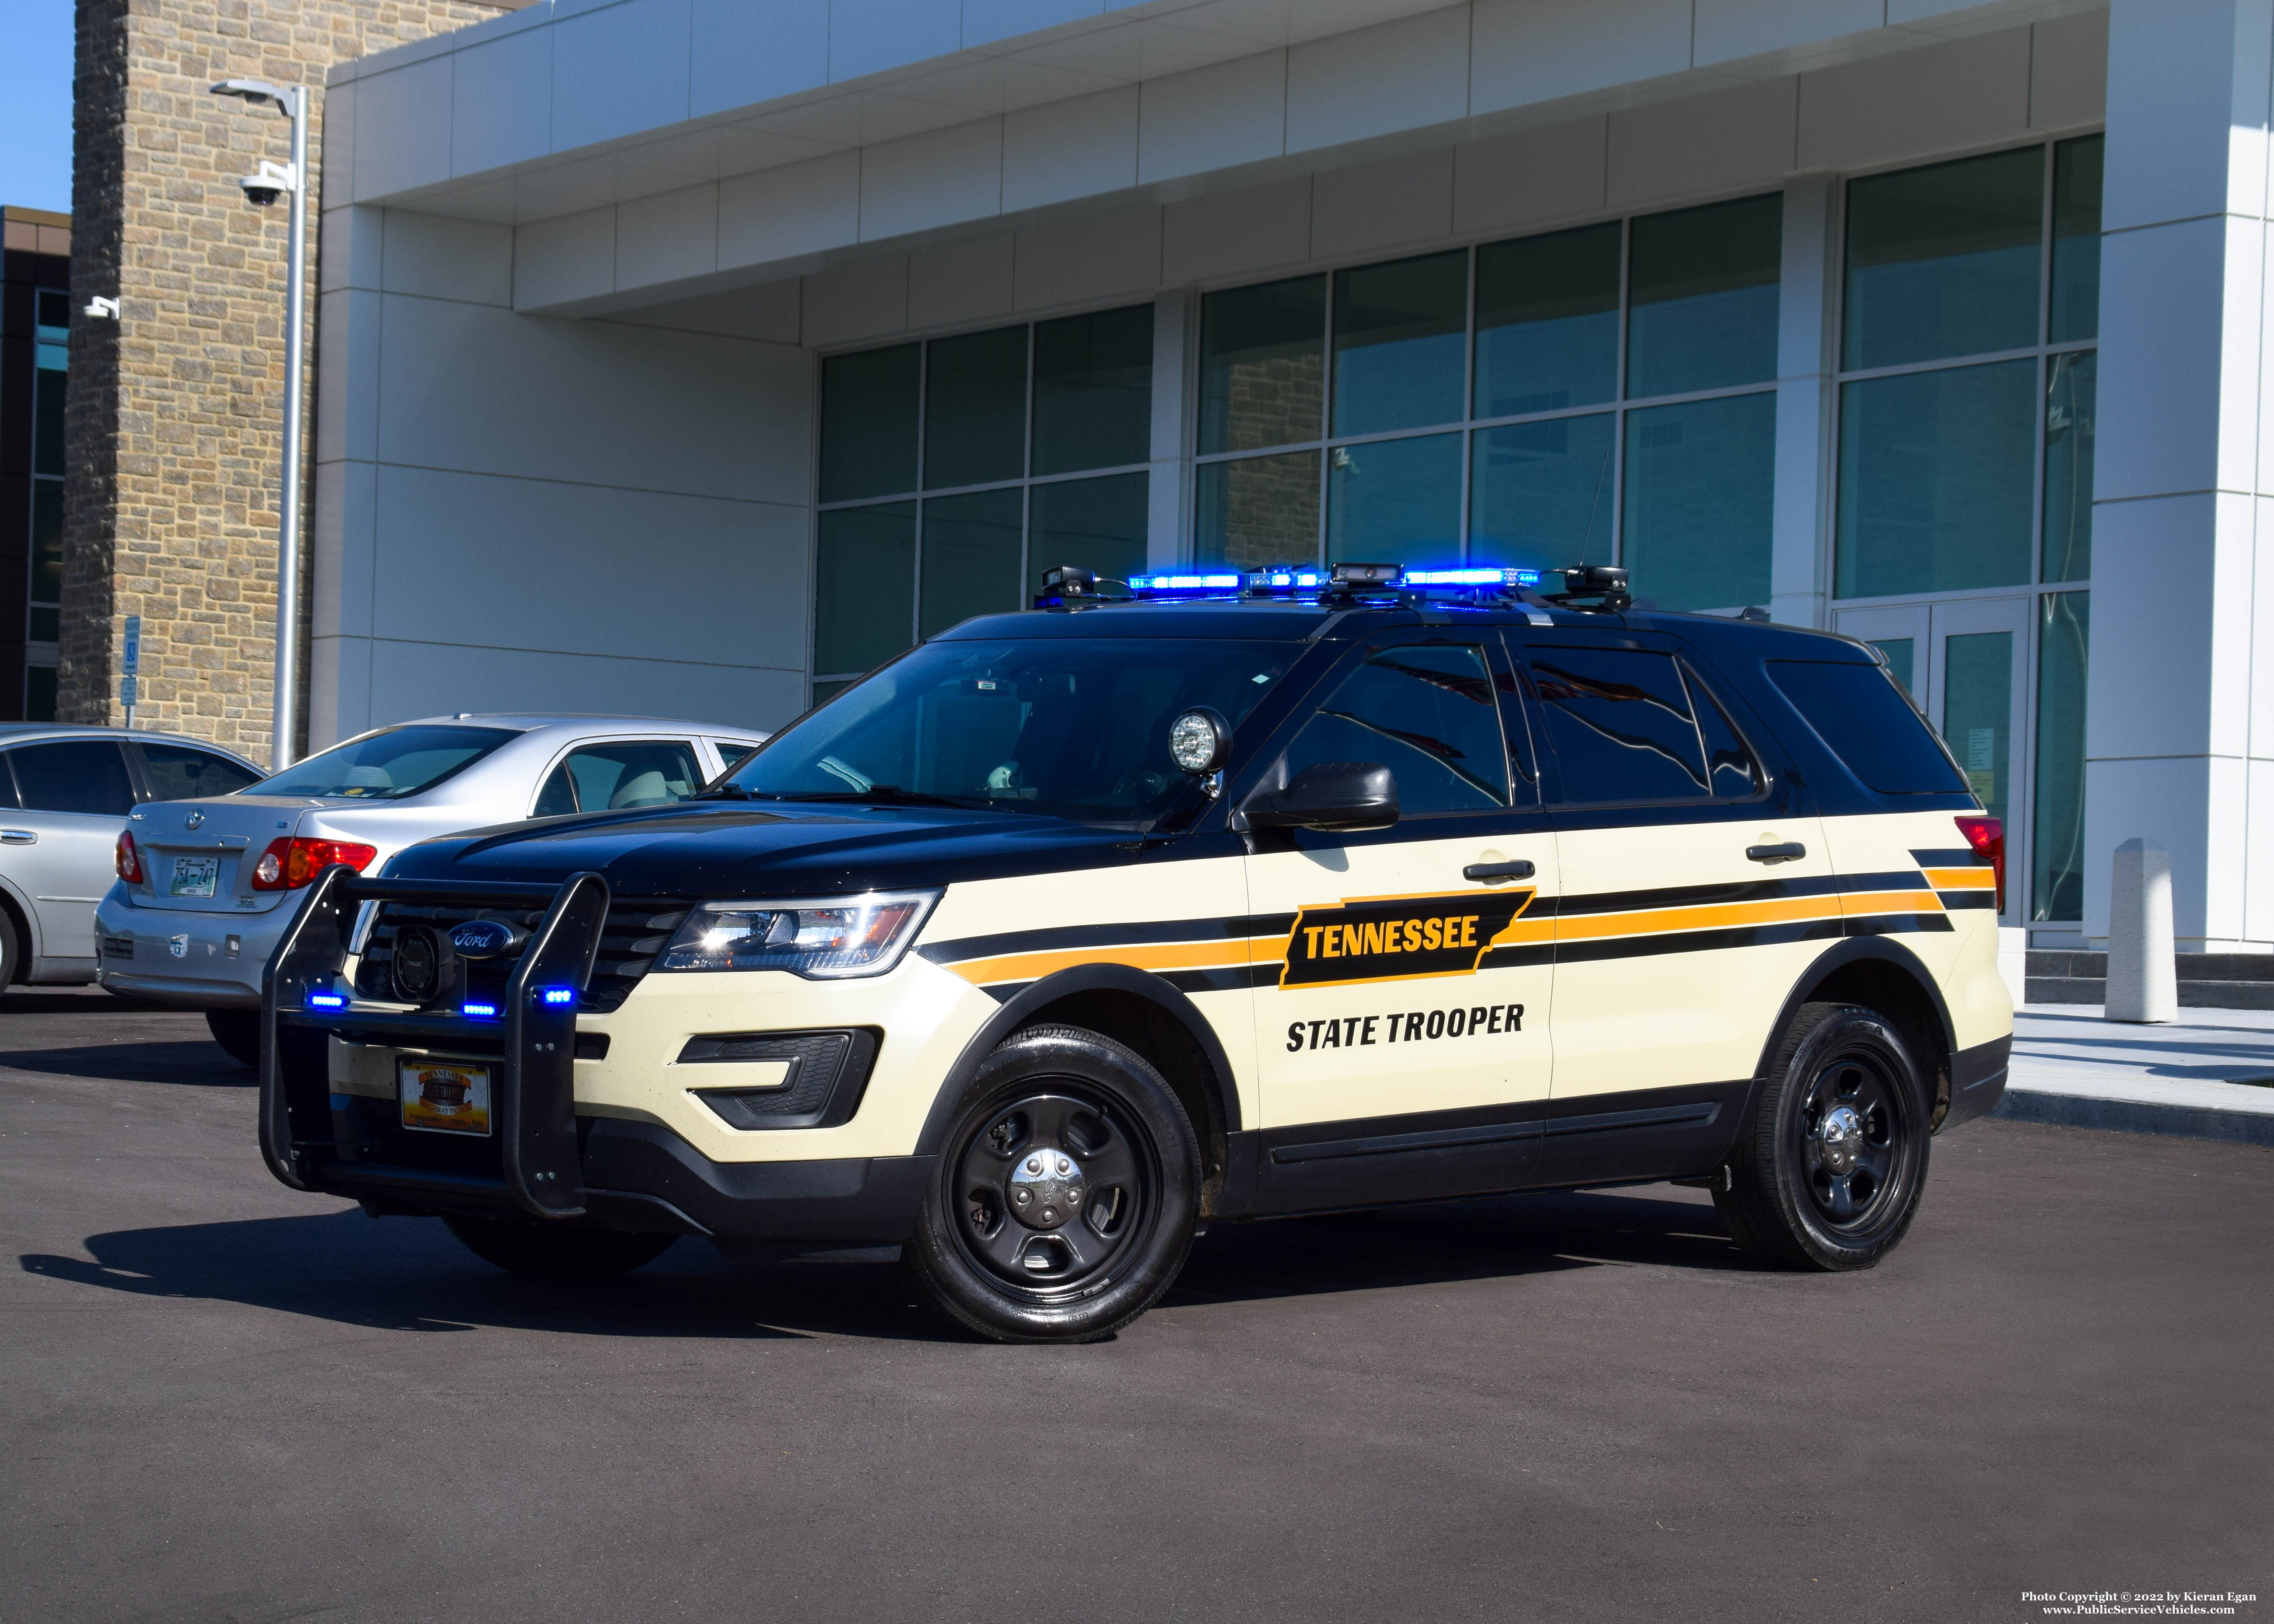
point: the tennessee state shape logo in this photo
(1396, 938)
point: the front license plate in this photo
(194, 877)
(444, 1097)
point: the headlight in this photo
(856, 935)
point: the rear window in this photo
(1860, 712)
(386, 766)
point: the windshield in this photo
(385, 766)
(1056, 727)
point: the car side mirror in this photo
(1335, 796)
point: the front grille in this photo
(635, 933)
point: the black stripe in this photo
(1897, 924)
(1893, 879)
(1679, 895)
(1952, 857)
(1061, 938)
(1517, 957)
(1967, 899)
(1228, 980)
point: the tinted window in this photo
(1429, 715)
(1620, 723)
(388, 766)
(1730, 765)
(81, 774)
(1859, 711)
(178, 773)
(616, 777)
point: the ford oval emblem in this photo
(484, 938)
(194, 819)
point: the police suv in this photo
(1072, 932)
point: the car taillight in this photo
(1987, 837)
(127, 860)
(289, 864)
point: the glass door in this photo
(1963, 661)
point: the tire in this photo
(12, 951)
(556, 1252)
(238, 1032)
(1816, 1188)
(1066, 1201)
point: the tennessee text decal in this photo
(1396, 938)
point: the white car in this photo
(66, 793)
(199, 902)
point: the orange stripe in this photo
(1961, 879)
(1155, 956)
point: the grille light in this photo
(480, 1012)
(557, 994)
(327, 1000)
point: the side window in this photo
(177, 772)
(1427, 712)
(613, 778)
(1729, 766)
(74, 775)
(1620, 724)
(732, 753)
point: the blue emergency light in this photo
(1184, 583)
(480, 1012)
(327, 1000)
(1469, 577)
(557, 994)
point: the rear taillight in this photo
(289, 864)
(1987, 837)
(127, 860)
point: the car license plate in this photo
(194, 877)
(444, 1096)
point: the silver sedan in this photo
(203, 884)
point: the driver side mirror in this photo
(1333, 796)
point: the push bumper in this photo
(541, 1161)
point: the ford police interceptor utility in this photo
(1071, 932)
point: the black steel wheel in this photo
(1065, 1201)
(238, 1032)
(539, 1250)
(1828, 1173)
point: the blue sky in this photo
(35, 110)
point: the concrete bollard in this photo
(2142, 976)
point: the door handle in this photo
(1517, 870)
(1784, 853)
(20, 837)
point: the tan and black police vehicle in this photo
(1203, 899)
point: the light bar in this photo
(480, 1012)
(1293, 579)
(1184, 583)
(327, 1000)
(1470, 577)
(557, 994)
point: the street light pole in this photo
(262, 188)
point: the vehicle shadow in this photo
(409, 1274)
(200, 1063)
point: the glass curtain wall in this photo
(1968, 364)
(955, 472)
(1588, 395)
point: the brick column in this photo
(174, 435)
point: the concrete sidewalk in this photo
(2207, 1075)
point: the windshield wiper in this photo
(722, 792)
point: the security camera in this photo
(272, 182)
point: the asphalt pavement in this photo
(224, 1401)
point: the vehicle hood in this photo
(738, 851)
